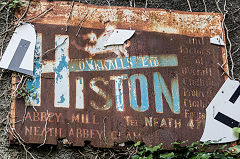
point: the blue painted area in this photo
(119, 95)
(62, 64)
(80, 80)
(60, 67)
(144, 92)
(33, 85)
(89, 64)
(119, 98)
(119, 90)
(123, 63)
(160, 88)
(62, 99)
(158, 93)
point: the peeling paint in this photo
(161, 88)
(152, 88)
(34, 85)
(61, 72)
(144, 92)
(190, 24)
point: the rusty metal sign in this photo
(152, 88)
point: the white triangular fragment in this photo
(119, 36)
(215, 131)
(23, 33)
(217, 40)
(28, 60)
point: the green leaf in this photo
(137, 144)
(167, 155)
(135, 157)
(155, 148)
(179, 143)
(23, 5)
(221, 147)
(195, 143)
(141, 153)
(3, 3)
(235, 149)
(220, 156)
(205, 143)
(193, 146)
(236, 129)
(176, 143)
(149, 157)
(203, 156)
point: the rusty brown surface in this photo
(158, 32)
(194, 24)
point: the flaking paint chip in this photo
(119, 36)
(217, 40)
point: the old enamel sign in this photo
(120, 74)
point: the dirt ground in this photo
(231, 10)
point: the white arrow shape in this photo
(217, 40)
(222, 114)
(19, 54)
(119, 36)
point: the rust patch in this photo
(154, 88)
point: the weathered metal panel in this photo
(154, 88)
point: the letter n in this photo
(160, 88)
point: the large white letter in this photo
(119, 90)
